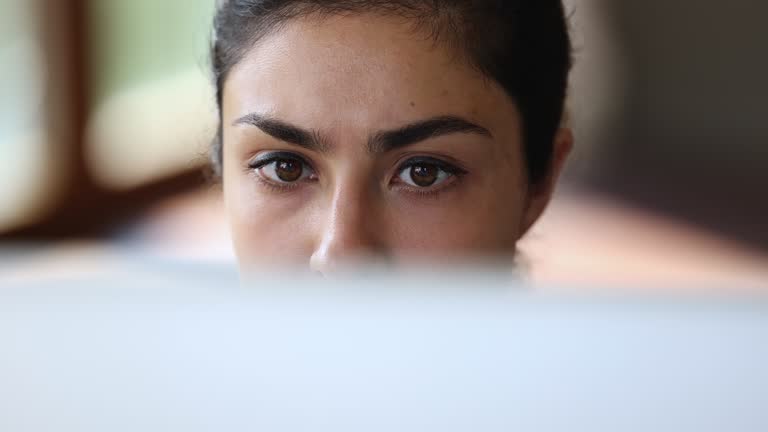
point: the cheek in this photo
(267, 227)
(480, 220)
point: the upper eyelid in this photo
(262, 159)
(446, 166)
(269, 157)
(424, 159)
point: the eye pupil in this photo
(424, 175)
(289, 170)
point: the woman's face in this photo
(354, 137)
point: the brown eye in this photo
(288, 170)
(424, 175)
(283, 169)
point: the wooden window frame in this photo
(81, 207)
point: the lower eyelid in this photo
(452, 181)
(271, 185)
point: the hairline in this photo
(425, 24)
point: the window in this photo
(153, 112)
(24, 174)
(105, 109)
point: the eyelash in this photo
(269, 158)
(454, 171)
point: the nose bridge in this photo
(347, 230)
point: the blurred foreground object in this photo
(458, 352)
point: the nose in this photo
(347, 235)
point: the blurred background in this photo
(106, 113)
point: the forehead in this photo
(364, 70)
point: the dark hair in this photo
(523, 45)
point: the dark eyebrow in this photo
(285, 132)
(416, 132)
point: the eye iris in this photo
(289, 170)
(424, 175)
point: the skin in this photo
(351, 87)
